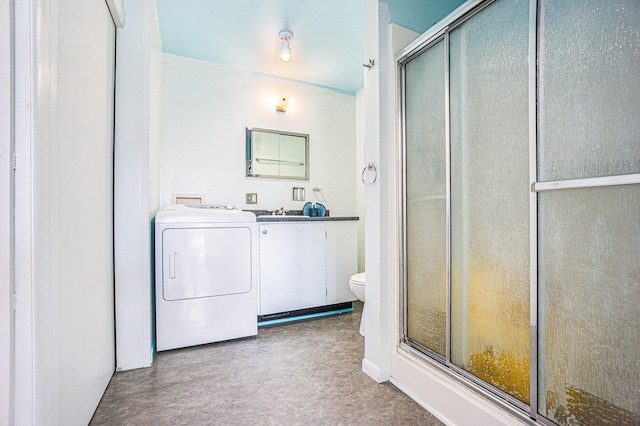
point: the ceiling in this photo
(327, 44)
(328, 35)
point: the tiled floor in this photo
(306, 373)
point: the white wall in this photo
(358, 176)
(205, 110)
(376, 362)
(155, 133)
(138, 96)
(155, 114)
(64, 266)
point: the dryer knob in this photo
(264, 232)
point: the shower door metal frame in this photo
(434, 39)
(533, 211)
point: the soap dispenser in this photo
(306, 210)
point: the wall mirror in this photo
(277, 154)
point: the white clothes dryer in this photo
(205, 261)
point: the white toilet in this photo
(356, 283)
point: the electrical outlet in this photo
(251, 198)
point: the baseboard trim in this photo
(449, 400)
(420, 402)
(376, 373)
(302, 314)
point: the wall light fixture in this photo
(280, 103)
(285, 52)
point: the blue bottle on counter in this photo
(306, 210)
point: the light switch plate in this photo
(297, 194)
(251, 198)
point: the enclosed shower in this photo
(520, 153)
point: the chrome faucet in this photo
(280, 212)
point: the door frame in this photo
(6, 208)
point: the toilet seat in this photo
(358, 279)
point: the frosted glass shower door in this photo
(426, 238)
(589, 234)
(490, 197)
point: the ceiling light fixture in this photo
(285, 52)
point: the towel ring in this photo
(370, 167)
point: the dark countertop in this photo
(304, 219)
(294, 216)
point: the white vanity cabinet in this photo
(291, 266)
(305, 264)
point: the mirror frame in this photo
(249, 154)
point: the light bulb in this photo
(285, 52)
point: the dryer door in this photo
(205, 262)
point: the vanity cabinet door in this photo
(292, 266)
(342, 260)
